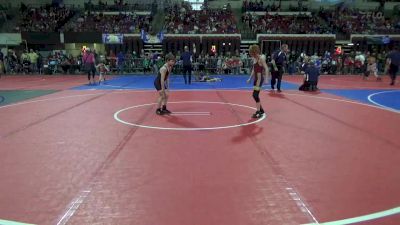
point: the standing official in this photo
(393, 62)
(278, 60)
(186, 58)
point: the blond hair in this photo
(254, 49)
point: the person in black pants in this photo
(312, 74)
(393, 63)
(278, 61)
(186, 58)
(89, 62)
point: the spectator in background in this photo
(24, 56)
(155, 57)
(292, 63)
(244, 60)
(65, 64)
(182, 19)
(96, 56)
(359, 62)
(381, 61)
(348, 64)
(23, 7)
(2, 68)
(33, 57)
(120, 62)
(146, 63)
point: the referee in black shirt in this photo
(393, 62)
(278, 60)
(186, 58)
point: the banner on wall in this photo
(151, 39)
(378, 40)
(113, 38)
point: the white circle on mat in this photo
(116, 117)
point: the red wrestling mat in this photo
(66, 159)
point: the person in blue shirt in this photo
(120, 62)
(312, 74)
(318, 63)
(393, 63)
(278, 60)
(186, 58)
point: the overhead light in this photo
(350, 44)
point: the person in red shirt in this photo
(259, 72)
(88, 62)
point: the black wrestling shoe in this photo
(259, 115)
(166, 111)
(159, 112)
(256, 115)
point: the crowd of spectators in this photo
(340, 20)
(120, 23)
(43, 19)
(120, 5)
(4, 15)
(287, 24)
(181, 19)
(58, 62)
(354, 62)
(347, 21)
(258, 6)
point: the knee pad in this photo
(256, 96)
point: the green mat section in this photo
(8, 222)
(11, 96)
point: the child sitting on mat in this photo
(205, 78)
